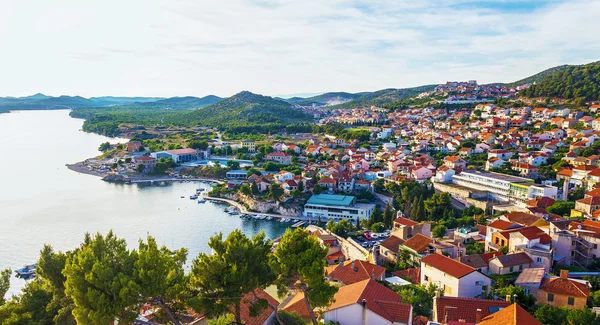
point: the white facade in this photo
(468, 286)
(356, 314)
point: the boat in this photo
(269, 218)
(26, 271)
(183, 196)
(201, 200)
(193, 197)
(295, 220)
(199, 190)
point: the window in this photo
(550, 297)
(595, 246)
(427, 278)
(571, 301)
(520, 267)
(539, 260)
(478, 283)
(511, 269)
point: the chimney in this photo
(437, 294)
(373, 274)
(508, 298)
(478, 316)
(353, 267)
(564, 274)
(364, 312)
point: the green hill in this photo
(384, 96)
(326, 99)
(538, 77)
(247, 108)
(581, 83)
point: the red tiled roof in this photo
(566, 287)
(418, 242)
(448, 265)
(379, 299)
(511, 315)
(501, 224)
(514, 259)
(362, 271)
(393, 243)
(405, 222)
(247, 301)
(413, 273)
(522, 218)
(457, 308)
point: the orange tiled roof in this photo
(362, 271)
(511, 315)
(393, 243)
(458, 308)
(418, 242)
(448, 265)
(501, 224)
(405, 222)
(562, 286)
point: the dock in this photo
(298, 224)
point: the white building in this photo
(330, 206)
(455, 278)
(178, 155)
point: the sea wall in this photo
(263, 206)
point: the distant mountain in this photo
(538, 77)
(191, 102)
(42, 102)
(248, 108)
(110, 100)
(580, 82)
(36, 97)
(384, 96)
(326, 99)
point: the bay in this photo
(43, 202)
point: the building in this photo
(279, 157)
(510, 263)
(350, 272)
(147, 161)
(134, 146)
(504, 188)
(368, 302)
(178, 155)
(250, 144)
(562, 291)
(464, 310)
(405, 228)
(237, 174)
(389, 249)
(454, 277)
(530, 280)
(511, 315)
(330, 206)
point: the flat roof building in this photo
(330, 206)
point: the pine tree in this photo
(388, 216)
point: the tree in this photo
(299, 262)
(4, 284)
(562, 208)
(223, 320)
(140, 168)
(439, 231)
(275, 191)
(438, 205)
(232, 164)
(254, 188)
(376, 216)
(420, 297)
(301, 186)
(104, 147)
(290, 318)
(388, 216)
(100, 280)
(238, 265)
(577, 194)
(245, 189)
(475, 248)
(503, 250)
(582, 316)
(319, 222)
(378, 227)
(340, 228)
(526, 300)
(549, 315)
(198, 144)
(159, 274)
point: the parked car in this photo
(368, 236)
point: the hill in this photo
(326, 99)
(247, 108)
(42, 102)
(384, 96)
(538, 77)
(581, 83)
(111, 101)
(186, 102)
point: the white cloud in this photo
(199, 47)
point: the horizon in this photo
(269, 47)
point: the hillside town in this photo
(489, 214)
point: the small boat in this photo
(295, 220)
(269, 218)
(183, 196)
(193, 197)
(198, 190)
(26, 271)
(201, 200)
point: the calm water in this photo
(41, 201)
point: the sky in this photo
(282, 47)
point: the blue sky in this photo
(274, 47)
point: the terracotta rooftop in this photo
(393, 243)
(447, 265)
(511, 315)
(362, 270)
(522, 218)
(413, 273)
(379, 299)
(458, 308)
(247, 301)
(562, 286)
(513, 259)
(502, 224)
(405, 222)
(418, 242)
(297, 305)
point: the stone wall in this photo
(263, 206)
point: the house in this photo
(370, 302)
(526, 170)
(454, 277)
(134, 146)
(511, 315)
(530, 280)
(588, 205)
(464, 310)
(389, 249)
(279, 157)
(562, 291)
(494, 163)
(350, 272)
(265, 317)
(418, 246)
(465, 151)
(147, 161)
(500, 153)
(250, 144)
(405, 229)
(329, 183)
(178, 155)
(480, 262)
(283, 176)
(455, 162)
(505, 264)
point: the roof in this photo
(405, 222)
(522, 218)
(362, 270)
(458, 308)
(414, 274)
(418, 242)
(479, 260)
(531, 275)
(248, 299)
(513, 259)
(331, 199)
(511, 315)
(186, 151)
(563, 286)
(297, 305)
(542, 202)
(501, 224)
(379, 299)
(447, 265)
(393, 243)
